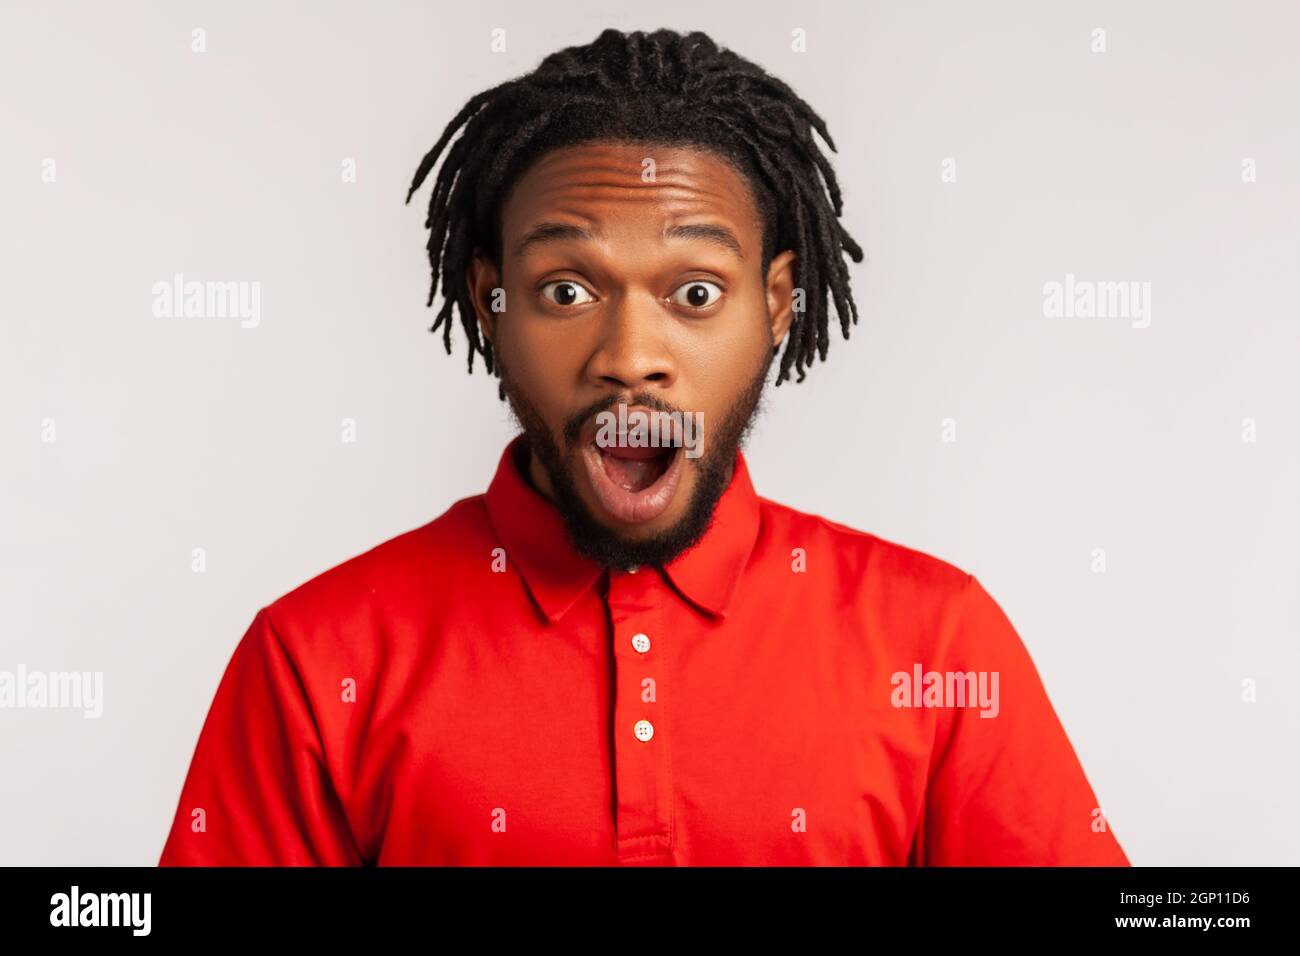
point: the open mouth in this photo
(633, 484)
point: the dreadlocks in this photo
(661, 88)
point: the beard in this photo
(713, 473)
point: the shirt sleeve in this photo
(1006, 787)
(258, 791)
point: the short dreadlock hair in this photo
(662, 88)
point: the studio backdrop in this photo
(1074, 374)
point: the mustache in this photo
(573, 427)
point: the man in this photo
(620, 654)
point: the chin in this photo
(640, 532)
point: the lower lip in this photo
(633, 507)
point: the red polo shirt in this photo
(790, 691)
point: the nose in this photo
(632, 350)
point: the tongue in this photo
(633, 474)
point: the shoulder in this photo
(406, 570)
(901, 595)
(862, 555)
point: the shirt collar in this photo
(535, 540)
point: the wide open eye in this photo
(566, 292)
(697, 294)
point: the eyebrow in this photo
(545, 232)
(709, 232)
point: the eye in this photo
(697, 294)
(566, 292)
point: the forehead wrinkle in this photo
(549, 231)
(580, 174)
(563, 185)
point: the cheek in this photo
(542, 365)
(722, 354)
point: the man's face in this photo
(622, 287)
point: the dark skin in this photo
(626, 311)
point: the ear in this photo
(780, 294)
(483, 278)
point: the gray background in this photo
(1072, 434)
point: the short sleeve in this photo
(1005, 786)
(258, 792)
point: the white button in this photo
(640, 643)
(644, 730)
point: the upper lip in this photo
(589, 432)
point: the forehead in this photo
(646, 186)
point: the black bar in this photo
(329, 905)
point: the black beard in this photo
(594, 540)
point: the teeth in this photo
(621, 441)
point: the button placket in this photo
(642, 769)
